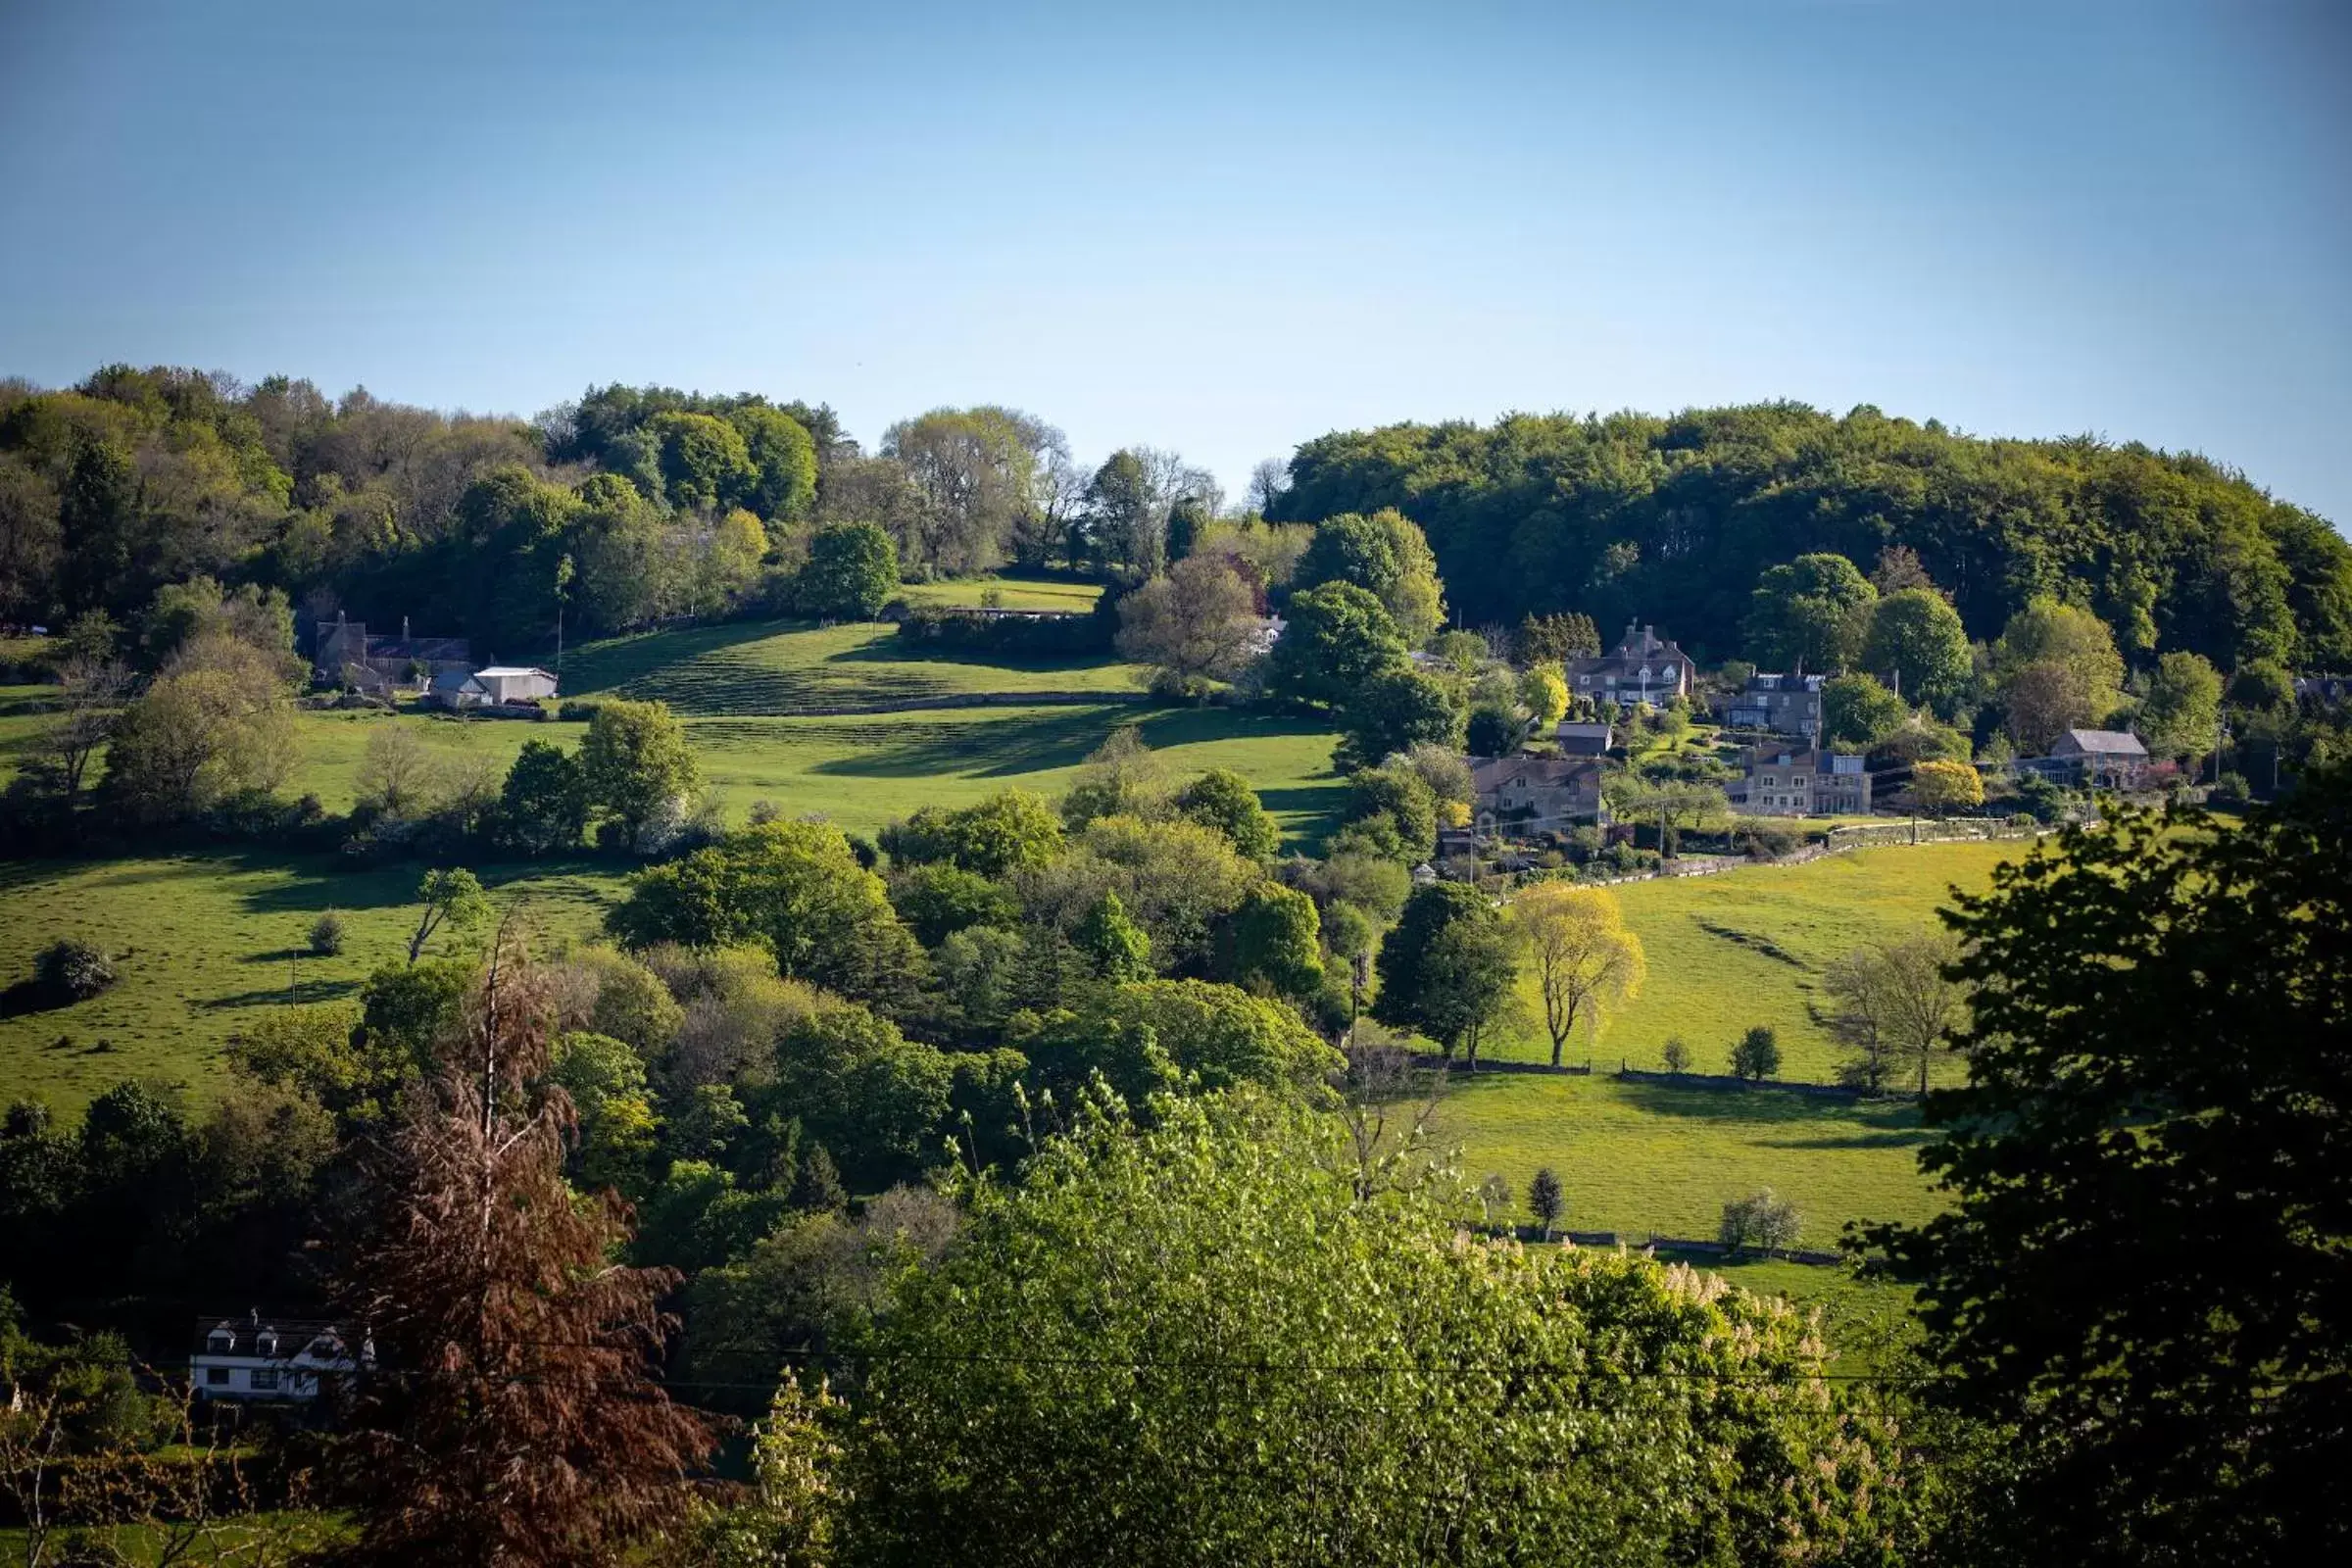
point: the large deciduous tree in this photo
(1585, 959)
(634, 762)
(1918, 646)
(2183, 708)
(513, 1415)
(796, 886)
(852, 572)
(1195, 623)
(1129, 1356)
(1446, 967)
(2149, 1174)
(1386, 555)
(2058, 669)
(1810, 615)
(1336, 638)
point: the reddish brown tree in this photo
(515, 1415)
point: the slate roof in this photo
(2107, 742)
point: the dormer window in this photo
(1666, 672)
(221, 1342)
(267, 1344)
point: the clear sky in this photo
(1222, 228)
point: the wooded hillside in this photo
(1672, 519)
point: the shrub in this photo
(1760, 1220)
(1676, 1054)
(1756, 1054)
(73, 968)
(327, 935)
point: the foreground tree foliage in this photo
(2151, 1167)
(1198, 1344)
(514, 1416)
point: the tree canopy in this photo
(1675, 520)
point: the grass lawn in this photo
(1748, 947)
(25, 711)
(204, 942)
(1019, 592)
(773, 667)
(1643, 1160)
(863, 770)
(244, 1538)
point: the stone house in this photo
(2108, 759)
(1789, 781)
(1785, 705)
(1518, 796)
(1643, 668)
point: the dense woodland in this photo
(1674, 519)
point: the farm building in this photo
(1577, 738)
(516, 684)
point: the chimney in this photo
(1650, 638)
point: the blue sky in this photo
(1222, 228)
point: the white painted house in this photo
(253, 1359)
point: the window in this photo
(221, 1343)
(1798, 782)
(217, 1375)
(268, 1344)
(264, 1377)
(1770, 782)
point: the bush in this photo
(1678, 1055)
(1760, 1220)
(1756, 1054)
(1766, 838)
(327, 935)
(75, 969)
(577, 710)
(2231, 789)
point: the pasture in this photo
(204, 943)
(769, 668)
(1748, 947)
(864, 770)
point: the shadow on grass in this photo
(302, 992)
(1765, 1103)
(1018, 741)
(1913, 1139)
(29, 997)
(617, 661)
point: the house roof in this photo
(295, 1335)
(1488, 774)
(498, 670)
(2107, 742)
(455, 680)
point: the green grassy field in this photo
(863, 770)
(772, 668)
(1014, 593)
(1748, 947)
(204, 944)
(1645, 1161)
(1724, 952)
